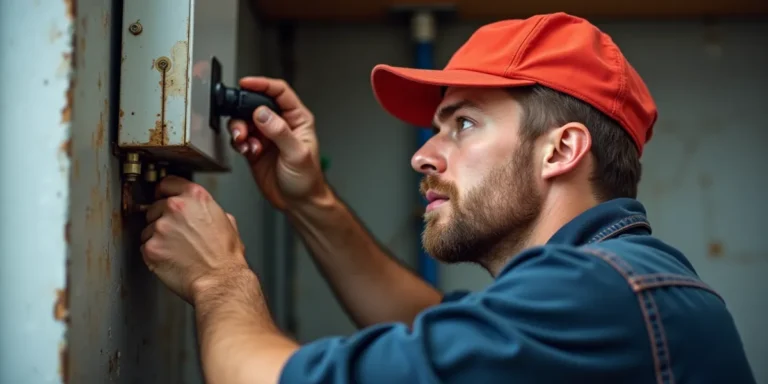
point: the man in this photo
(532, 173)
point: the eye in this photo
(464, 123)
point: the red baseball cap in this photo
(559, 51)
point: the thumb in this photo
(279, 132)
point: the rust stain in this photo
(715, 249)
(105, 21)
(94, 212)
(64, 363)
(117, 223)
(66, 112)
(98, 137)
(122, 113)
(66, 147)
(156, 133)
(127, 198)
(71, 6)
(81, 43)
(60, 308)
(68, 232)
(176, 82)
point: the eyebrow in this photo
(447, 111)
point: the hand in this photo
(190, 240)
(282, 151)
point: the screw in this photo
(163, 64)
(135, 28)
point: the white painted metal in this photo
(166, 113)
(35, 69)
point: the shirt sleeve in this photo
(553, 314)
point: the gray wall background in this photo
(703, 181)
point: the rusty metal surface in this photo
(164, 92)
(124, 326)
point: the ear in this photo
(564, 149)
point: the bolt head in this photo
(135, 28)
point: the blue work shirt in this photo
(602, 302)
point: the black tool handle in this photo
(240, 104)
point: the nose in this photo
(427, 160)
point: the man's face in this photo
(479, 178)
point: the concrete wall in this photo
(702, 186)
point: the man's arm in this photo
(239, 342)
(553, 316)
(371, 285)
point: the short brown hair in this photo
(617, 162)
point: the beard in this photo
(497, 216)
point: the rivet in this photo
(135, 28)
(163, 64)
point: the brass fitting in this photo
(131, 166)
(150, 174)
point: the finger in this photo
(277, 89)
(172, 186)
(254, 148)
(239, 130)
(156, 210)
(147, 233)
(278, 131)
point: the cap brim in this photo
(413, 95)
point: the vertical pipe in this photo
(35, 148)
(423, 33)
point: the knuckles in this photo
(175, 204)
(162, 226)
(197, 191)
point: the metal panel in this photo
(125, 327)
(35, 115)
(165, 88)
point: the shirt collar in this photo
(605, 220)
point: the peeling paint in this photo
(156, 136)
(64, 363)
(66, 112)
(66, 147)
(71, 6)
(60, 308)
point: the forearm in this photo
(372, 286)
(239, 342)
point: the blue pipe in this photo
(428, 268)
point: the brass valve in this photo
(132, 166)
(150, 174)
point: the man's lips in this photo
(435, 199)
